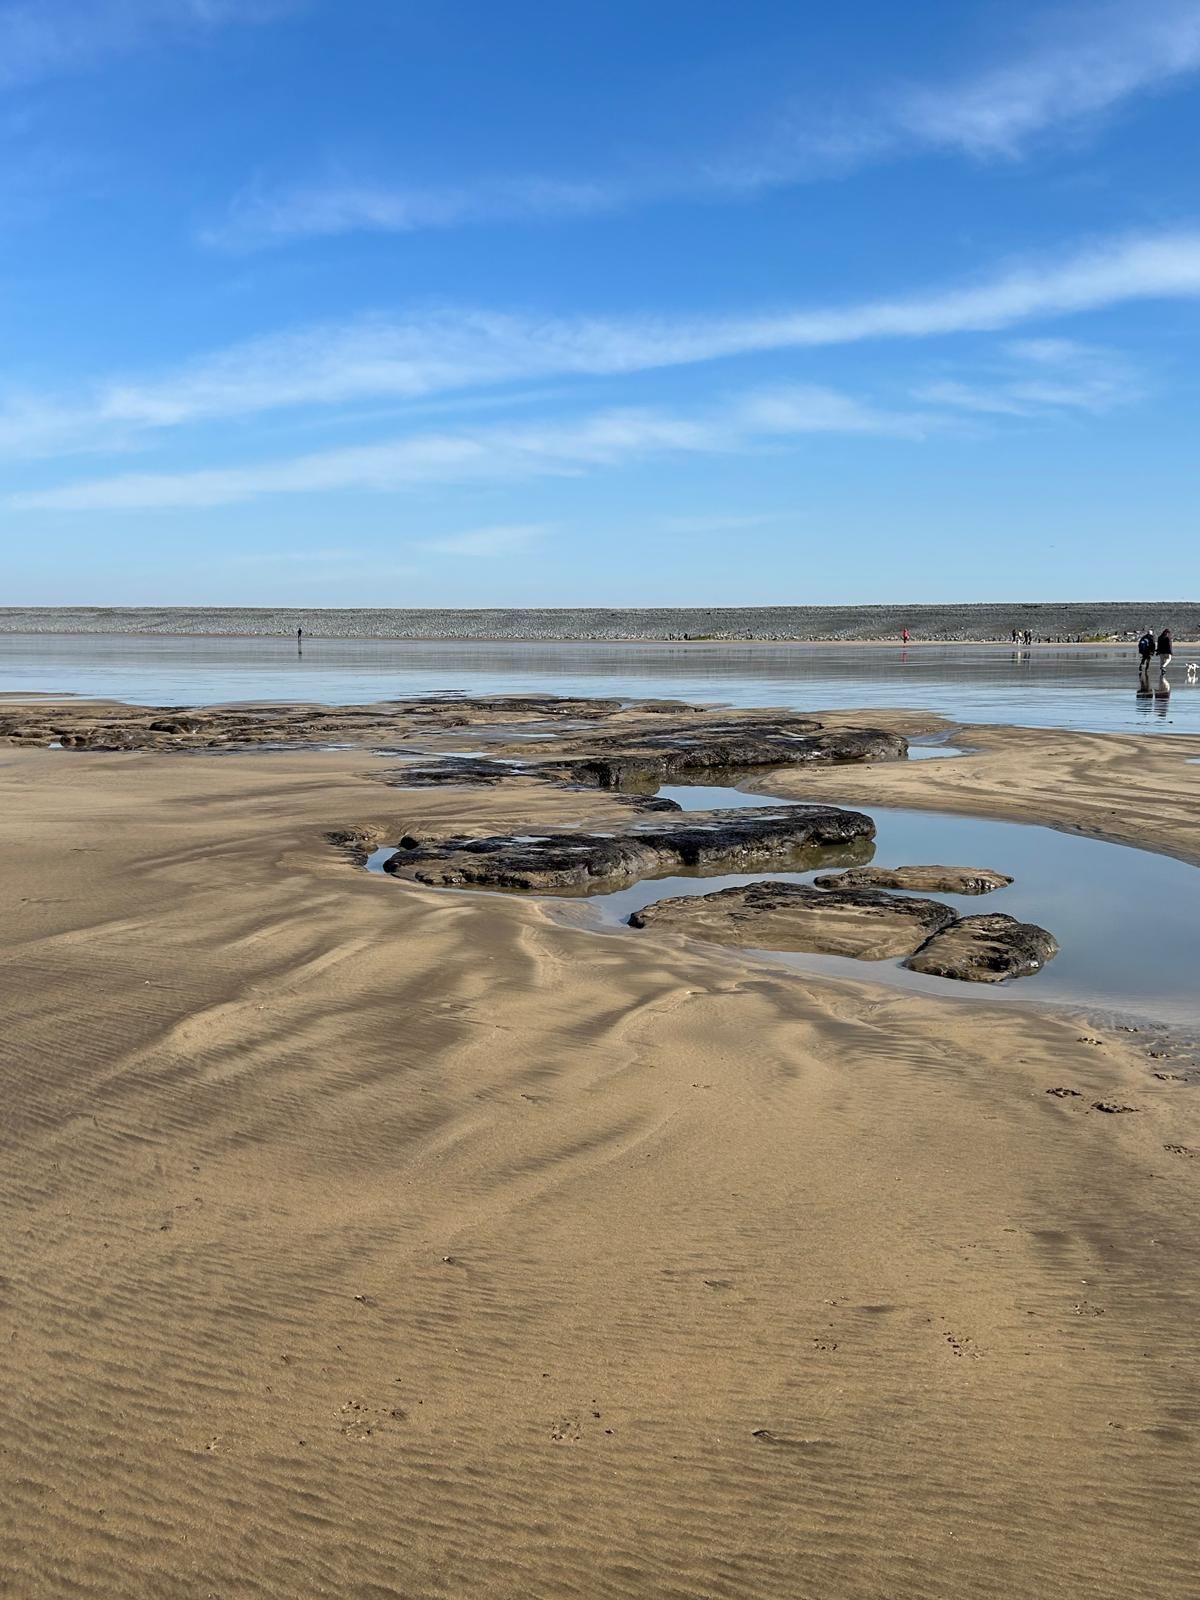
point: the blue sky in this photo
(594, 302)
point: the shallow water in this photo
(1047, 686)
(1127, 921)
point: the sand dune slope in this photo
(362, 1240)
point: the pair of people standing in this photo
(1149, 649)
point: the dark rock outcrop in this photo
(92, 727)
(986, 949)
(716, 841)
(738, 745)
(931, 880)
(864, 923)
(454, 771)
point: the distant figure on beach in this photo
(1164, 652)
(904, 637)
(1145, 654)
(299, 635)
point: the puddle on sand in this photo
(1127, 921)
(933, 746)
(933, 752)
(710, 797)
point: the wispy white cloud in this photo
(341, 203)
(1097, 59)
(716, 522)
(333, 556)
(500, 539)
(1112, 54)
(42, 38)
(1034, 377)
(600, 439)
(444, 351)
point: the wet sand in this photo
(367, 1240)
(1122, 787)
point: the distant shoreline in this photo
(1078, 624)
(813, 643)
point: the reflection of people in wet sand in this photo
(1164, 651)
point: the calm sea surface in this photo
(1043, 687)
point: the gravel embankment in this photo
(952, 623)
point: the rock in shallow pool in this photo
(986, 949)
(864, 923)
(933, 880)
(716, 841)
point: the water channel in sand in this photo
(1127, 921)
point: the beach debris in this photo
(929, 879)
(1112, 1107)
(1063, 1094)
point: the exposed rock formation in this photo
(932, 880)
(85, 726)
(454, 770)
(986, 949)
(863, 923)
(717, 841)
(651, 758)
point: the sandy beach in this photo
(363, 1239)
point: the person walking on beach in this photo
(1164, 652)
(904, 637)
(1146, 654)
